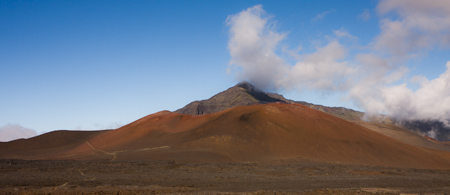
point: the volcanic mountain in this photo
(266, 128)
(246, 94)
(254, 133)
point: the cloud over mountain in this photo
(373, 76)
(253, 46)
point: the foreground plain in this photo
(169, 177)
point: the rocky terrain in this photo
(240, 95)
(171, 177)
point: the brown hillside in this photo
(255, 133)
(45, 145)
(404, 135)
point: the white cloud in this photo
(342, 33)
(430, 101)
(374, 80)
(322, 70)
(377, 94)
(419, 25)
(253, 45)
(11, 132)
(432, 133)
(372, 75)
(322, 15)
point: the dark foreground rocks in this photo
(170, 177)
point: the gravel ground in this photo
(170, 177)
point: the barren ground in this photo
(168, 177)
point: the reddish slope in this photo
(256, 133)
(46, 145)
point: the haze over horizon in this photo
(99, 65)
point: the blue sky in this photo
(102, 64)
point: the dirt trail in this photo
(114, 154)
(90, 178)
(61, 185)
(108, 153)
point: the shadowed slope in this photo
(256, 133)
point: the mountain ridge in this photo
(245, 93)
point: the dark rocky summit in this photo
(245, 93)
(241, 94)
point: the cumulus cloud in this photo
(430, 101)
(376, 93)
(374, 79)
(374, 73)
(11, 132)
(413, 26)
(417, 27)
(323, 70)
(322, 15)
(253, 47)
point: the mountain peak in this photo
(248, 86)
(241, 94)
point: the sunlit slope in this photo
(262, 132)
